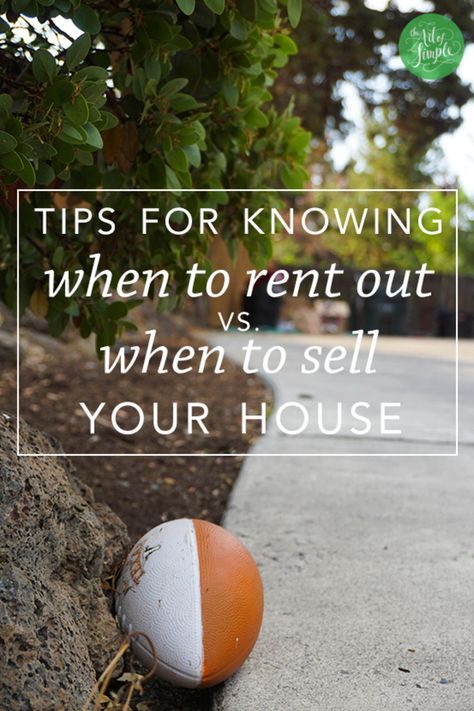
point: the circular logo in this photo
(431, 46)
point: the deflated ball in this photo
(196, 592)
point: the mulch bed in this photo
(143, 491)
(148, 490)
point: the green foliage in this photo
(152, 94)
(441, 253)
(295, 8)
(401, 251)
(386, 162)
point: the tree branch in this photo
(59, 31)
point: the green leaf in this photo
(6, 103)
(157, 28)
(94, 93)
(72, 134)
(44, 67)
(268, 6)
(27, 147)
(288, 45)
(293, 178)
(294, 11)
(21, 5)
(94, 138)
(194, 155)
(107, 121)
(256, 118)
(72, 309)
(265, 247)
(101, 58)
(60, 91)
(239, 28)
(152, 68)
(177, 159)
(231, 92)
(57, 322)
(186, 6)
(12, 161)
(78, 51)
(106, 336)
(78, 111)
(65, 151)
(300, 142)
(87, 19)
(184, 102)
(129, 325)
(84, 157)
(117, 310)
(14, 126)
(91, 74)
(45, 174)
(188, 135)
(46, 151)
(7, 143)
(94, 114)
(27, 174)
(247, 8)
(58, 257)
(172, 181)
(139, 81)
(172, 87)
(4, 26)
(85, 329)
(216, 6)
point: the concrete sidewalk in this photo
(368, 563)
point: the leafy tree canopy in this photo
(342, 40)
(153, 94)
(347, 41)
(189, 93)
(385, 162)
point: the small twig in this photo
(152, 671)
(16, 82)
(60, 31)
(126, 705)
(102, 683)
(97, 689)
(32, 28)
(36, 246)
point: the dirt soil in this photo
(143, 491)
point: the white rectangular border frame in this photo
(246, 454)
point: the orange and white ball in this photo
(196, 592)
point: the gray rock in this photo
(56, 546)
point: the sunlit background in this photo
(458, 147)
